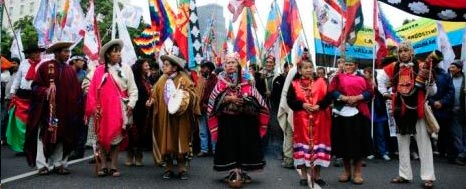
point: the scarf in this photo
(32, 69)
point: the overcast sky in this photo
(395, 17)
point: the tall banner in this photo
(422, 33)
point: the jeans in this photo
(458, 133)
(204, 134)
(379, 138)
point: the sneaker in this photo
(457, 161)
(370, 157)
(386, 157)
(168, 175)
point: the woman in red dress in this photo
(312, 122)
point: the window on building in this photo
(11, 10)
(31, 7)
(21, 9)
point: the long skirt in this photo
(238, 144)
(351, 137)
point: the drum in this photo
(178, 102)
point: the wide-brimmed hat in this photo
(78, 57)
(33, 48)
(107, 45)
(458, 64)
(174, 59)
(58, 45)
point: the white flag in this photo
(330, 22)
(91, 44)
(444, 46)
(127, 52)
(75, 22)
(17, 46)
(131, 15)
(463, 47)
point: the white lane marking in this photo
(31, 173)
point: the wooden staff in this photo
(53, 120)
(97, 117)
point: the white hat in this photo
(174, 59)
(107, 45)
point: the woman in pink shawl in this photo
(350, 133)
(112, 96)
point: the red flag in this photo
(182, 24)
(381, 46)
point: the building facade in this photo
(205, 14)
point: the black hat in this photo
(208, 64)
(33, 48)
(458, 64)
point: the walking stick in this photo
(97, 117)
(311, 148)
(53, 120)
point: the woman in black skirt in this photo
(238, 116)
(350, 139)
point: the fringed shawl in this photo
(222, 85)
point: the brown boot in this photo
(346, 175)
(357, 178)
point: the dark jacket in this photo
(445, 94)
(277, 90)
(462, 110)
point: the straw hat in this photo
(107, 45)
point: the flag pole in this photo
(304, 31)
(255, 33)
(2, 5)
(114, 19)
(280, 30)
(12, 29)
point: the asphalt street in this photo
(377, 174)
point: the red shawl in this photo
(246, 89)
(111, 121)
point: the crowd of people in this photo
(52, 110)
